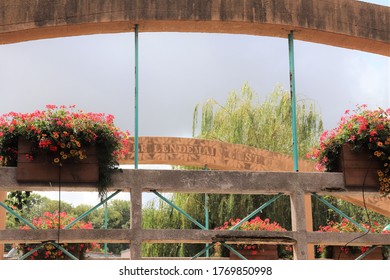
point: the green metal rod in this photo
(234, 251)
(179, 209)
(366, 253)
(293, 99)
(105, 226)
(136, 101)
(339, 212)
(90, 210)
(256, 211)
(17, 215)
(203, 251)
(206, 217)
(64, 250)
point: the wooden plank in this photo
(373, 202)
(222, 182)
(69, 236)
(353, 239)
(185, 236)
(214, 154)
(3, 196)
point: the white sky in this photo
(179, 70)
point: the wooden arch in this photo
(342, 23)
(213, 154)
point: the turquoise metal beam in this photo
(293, 99)
(206, 218)
(17, 215)
(339, 212)
(179, 209)
(255, 212)
(105, 226)
(366, 253)
(90, 210)
(136, 100)
(234, 251)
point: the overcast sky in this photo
(179, 70)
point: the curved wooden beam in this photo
(342, 23)
(213, 154)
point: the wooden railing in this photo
(299, 186)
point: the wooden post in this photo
(3, 196)
(301, 220)
(136, 223)
(309, 225)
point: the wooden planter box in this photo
(359, 168)
(266, 252)
(41, 168)
(376, 254)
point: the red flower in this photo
(53, 148)
(51, 221)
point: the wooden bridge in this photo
(299, 186)
(343, 23)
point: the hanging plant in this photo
(64, 133)
(363, 130)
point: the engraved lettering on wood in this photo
(215, 154)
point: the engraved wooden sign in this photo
(215, 154)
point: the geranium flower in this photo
(64, 133)
(347, 226)
(363, 129)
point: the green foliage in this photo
(62, 133)
(267, 125)
(160, 215)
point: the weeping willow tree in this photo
(265, 125)
(243, 119)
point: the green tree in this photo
(244, 119)
(265, 125)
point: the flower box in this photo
(359, 167)
(341, 254)
(42, 168)
(368, 134)
(253, 251)
(351, 252)
(263, 252)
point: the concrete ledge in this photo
(236, 182)
(189, 236)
